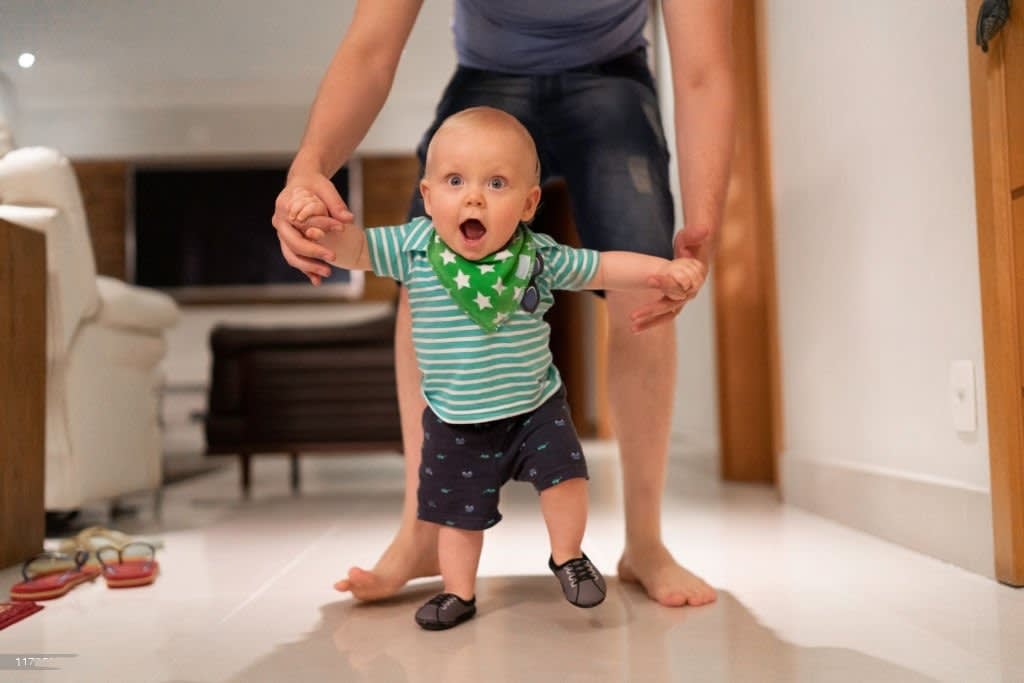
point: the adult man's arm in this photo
(700, 50)
(699, 36)
(351, 94)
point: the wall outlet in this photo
(962, 400)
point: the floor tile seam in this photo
(266, 585)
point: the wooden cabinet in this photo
(22, 392)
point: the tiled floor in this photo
(245, 595)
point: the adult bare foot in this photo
(407, 558)
(664, 579)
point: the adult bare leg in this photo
(413, 551)
(641, 385)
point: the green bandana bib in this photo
(488, 290)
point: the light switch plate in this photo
(962, 396)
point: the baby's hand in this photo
(304, 204)
(679, 282)
(304, 211)
(680, 279)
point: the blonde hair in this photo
(489, 116)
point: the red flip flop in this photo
(44, 582)
(13, 612)
(135, 565)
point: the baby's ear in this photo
(425, 193)
(532, 202)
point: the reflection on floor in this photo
(245, 595)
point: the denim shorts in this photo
(599, 128)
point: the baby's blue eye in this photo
(454, 180)
(496, 183)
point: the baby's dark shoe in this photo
(582, 584)
(445, 610)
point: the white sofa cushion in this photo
(40, 176)
(134, 308)
(70, 279)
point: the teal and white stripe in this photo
(470, 375)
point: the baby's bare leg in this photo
(565, 513)
(458, 551)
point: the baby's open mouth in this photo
(472, 229)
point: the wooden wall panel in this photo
(22, 392)
(388, 185)
(104, 186)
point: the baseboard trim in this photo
(947, 521)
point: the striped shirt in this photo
(470, 375)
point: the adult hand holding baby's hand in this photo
(681, 279)
(308, 212)
(305, 205)
(307, 208)
(679, 282)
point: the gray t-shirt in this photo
(545, 36)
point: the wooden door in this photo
(997, 108)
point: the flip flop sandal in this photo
(135, 565)
(50, 575)
(13, 612)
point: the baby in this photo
(479, 282)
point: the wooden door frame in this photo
(1002, 289)
(746, 338)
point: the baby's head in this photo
(482, 178)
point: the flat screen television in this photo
(203, 234)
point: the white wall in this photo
(877, 268)
(122, 78)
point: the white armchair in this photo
(105, 341)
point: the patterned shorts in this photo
(465, 465)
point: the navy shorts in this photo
(599, 128)
(465, 465)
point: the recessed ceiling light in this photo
(26, 60)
